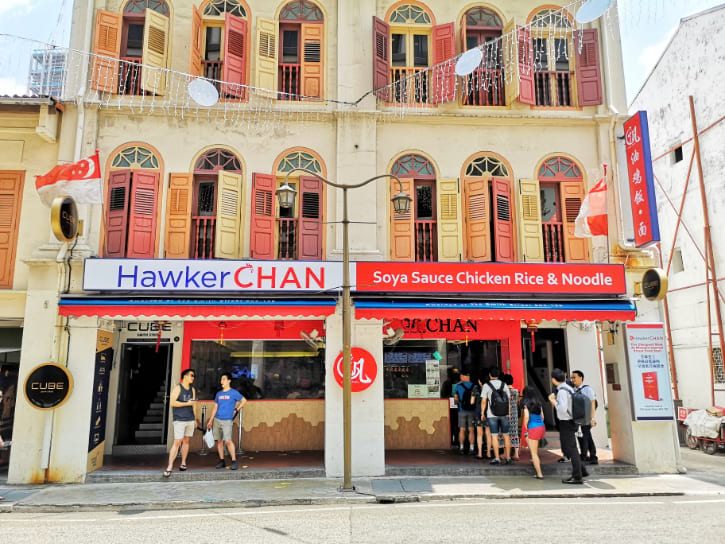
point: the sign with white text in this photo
(363, 369)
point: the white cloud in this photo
(7, 6)
(10, 86)
(652, 53)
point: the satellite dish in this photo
(592, 10)
(313, 340)
(203, 92)
(393, 336)
(469, 61)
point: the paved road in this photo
(661, 520)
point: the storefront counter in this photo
(417, 424)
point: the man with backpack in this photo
(496, 407)
(466, 410)
(568, 412)
(586, 442)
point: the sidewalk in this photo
(319, 491)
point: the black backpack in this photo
(466, 400)
(499, 400)
(581, 407)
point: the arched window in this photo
(219, 46)
(125, 40)
(561, 191)
(289, 233)
(488, 210)
(483, 27)
(551, 32)
(405, 45)
(132, 204)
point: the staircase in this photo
(151, 430)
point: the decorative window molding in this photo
(300, 159)
(219, 7)
(135, 157)
(560, 168)
(556, 18)
(411, 164)
(480, 166)
(140, 6)
(410, 14)
(301, 10)
(218, 159)
(483, 17)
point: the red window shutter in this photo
(234, 65)
(527, 87)
(444, 77)
(576, 250)
(588, 71)
(402, 226)
(119, 187)
(503, 223)
(381, 62)
(310, 231)
(11, 198)
(196, 42)
(478, 222)
(263, 208)
(106, 49)
(142, 216)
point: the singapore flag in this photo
(80, 180)
(592, 218)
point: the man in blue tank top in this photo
(183, 402)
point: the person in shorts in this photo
(226, 404)
(466, 411)
(183, 403)
(498, 424)
(481, 424)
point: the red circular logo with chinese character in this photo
(363, 369)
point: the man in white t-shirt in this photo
(495, 408)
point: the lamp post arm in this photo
(341, 185)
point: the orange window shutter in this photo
(312, 60)
(381, 60)
(142, 216)
(234, 67)
(478, 220)
(527, 86)
(503, 220)
(402, 232)
(11, 193)
(576, 250)
(178, 216)
(196, 42)
(444, 77)
(106, 50)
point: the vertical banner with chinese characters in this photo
(641, 180)
(649, 373)
(101, 373)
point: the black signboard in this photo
(101, 374)
(654, 284)
(64, 218)
(48, 386)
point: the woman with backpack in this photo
(508, 379)
(534, 424)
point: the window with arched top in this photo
(406, 44)
(488, 210)
(132, 203)
(289, 233)
(559, 192)
(218, 159)
(217, 8)
(483, 27)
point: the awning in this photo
(581, 311)
(193, 309)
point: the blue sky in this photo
(647, 26)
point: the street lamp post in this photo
(401, 204)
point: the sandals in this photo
(167, 474)
(182, 468)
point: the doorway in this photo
(143, 394)
(548, 353)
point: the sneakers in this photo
(235, 466)
(471, 451)
(508, 461)
(221, 464)
(461, 451)
(495, 462)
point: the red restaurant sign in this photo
(364, 369)
(530, 278)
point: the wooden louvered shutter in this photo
(449, 221)
(576, 250)
(142, 216)
(263, 212)
(444, 77)
(310, 230)
(230, 195)
(106, 43)
(503, 221)
(532, 237)
(155, 53)
(266, 67)
(196, 42)
(519, 60)
(402, 231)
(381, 60)
(478, 220)
(178, 216)
(11, 198)
(313, 70)
(234, 65)
(588, 71)
(119, 187)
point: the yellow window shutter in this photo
(313, 66)
(478, 219)
(532, 238)
(11, 199)
(230, 196)
(196, 42)
(155, 53)
(449, 221)
(402, 231)
(107, 47)
(576, 250)
(266, 61)
(511, 62)
(178, 216)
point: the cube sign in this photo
(641, 180)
